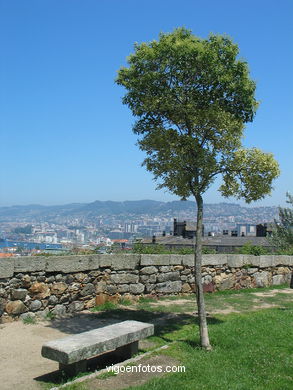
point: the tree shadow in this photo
(165, 322)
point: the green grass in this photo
(125, 302)
(251, 350)
(29, 320)
(105, 307)
(50, 316)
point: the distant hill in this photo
(139, 207)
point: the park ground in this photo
(251, 332)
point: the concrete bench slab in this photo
(72, 352)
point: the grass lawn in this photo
(252, 349)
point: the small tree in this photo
(282, 236)
(192, 97)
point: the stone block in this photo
(106, 260)
(266, 261)
(155, 260)
(283, 260)
(214, 259)
(262, 279)
(176, 259)
(67, 264)
(124, 278)
(30, 264)
(123, 288)
(137, 288)
(148, 278)
(278, 279)
(169, 287)
(120, 262)
(169, 276)
(235, 261)
(188, 260)
(85, 345)
(149, 270)
(6, 267)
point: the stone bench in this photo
(73, 351)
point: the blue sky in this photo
(65, 135)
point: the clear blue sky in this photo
(65, 135)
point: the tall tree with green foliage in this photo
(282, 236)
(191, 98)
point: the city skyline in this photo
(65, 135)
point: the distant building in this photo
(185, 229)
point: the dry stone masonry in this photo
(57, 286)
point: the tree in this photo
(282, 236)
(192, 97)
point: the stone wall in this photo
(59, 285)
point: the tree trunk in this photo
(203, 327)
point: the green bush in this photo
(249, 249)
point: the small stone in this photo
(14, 282)
(59, 311)
(69, 279)
(26, 281)
(186, 288)
(165, 268)
(80, 276)
(2, 306)
(50, 279)
(35, 305)
(149, 270)
(111, 289)
(29, 315)
(75, 306)
(39, 290)
(137, 288)
(122, 288)
(88, 289)
(52, 300)
(169, 287)
(19, 293)
(169, 276)
(3, 293)
(148, 278)
(58, 288)
(74, 287)
(91, 303)
(59, 278)
(124, 278)
(15, 307)
(101, 286)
